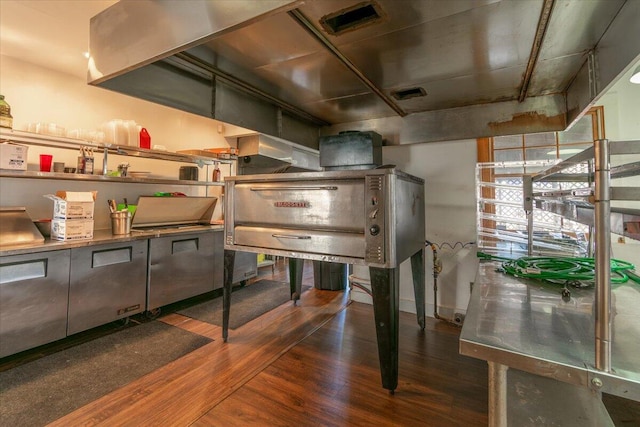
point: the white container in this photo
(71, 229)
(13, 156)
(116, 131)
(73, 205)
(133, 134)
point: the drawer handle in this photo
(320, 187)
(29, 270)
(290, 236)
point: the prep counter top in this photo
(105, 236)
(526, 325)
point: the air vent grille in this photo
(354, 17)
(413, 92)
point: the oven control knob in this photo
(374, 230)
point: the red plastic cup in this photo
(45, 162)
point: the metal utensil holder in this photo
(121, 222)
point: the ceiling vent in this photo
(352, 18)
(413, 92)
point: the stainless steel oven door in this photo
(302, 240)
(336, 204)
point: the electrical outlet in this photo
(459, 318)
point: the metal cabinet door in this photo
(245, 266)
(180, 267)
(33, 300)
(108, 282)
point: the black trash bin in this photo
(330, 276)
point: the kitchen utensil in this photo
(123, 168)
(112, 205)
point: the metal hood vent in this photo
(261, 153)
(299, 69)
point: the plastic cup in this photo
(45, 162)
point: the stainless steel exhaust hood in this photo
(261, 153)
(430, 70)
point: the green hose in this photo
(564, 269)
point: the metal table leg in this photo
(497, 394)
(385, 291)
(229, 261)
(417, 272)
(296, 266)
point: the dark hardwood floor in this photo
(314, 364)
(307, 365)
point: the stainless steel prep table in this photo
(104, 236)
(525, 324)
(51, 289)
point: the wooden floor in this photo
(307, 365)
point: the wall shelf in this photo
(104, 178)
(30, 138)
(204, 158)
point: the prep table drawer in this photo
(313, 241)
(33, 296)
(108, 282)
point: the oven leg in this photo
(417, 272)
(385, 289)
(295, 278)
(229, 261)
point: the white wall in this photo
(622, 109)
(38, 94)
(448, 169)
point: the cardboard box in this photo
(13, 156)
(71, 229)
(73, 205)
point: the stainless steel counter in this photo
(526, 325)
(105, 236)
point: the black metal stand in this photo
(417, 273)
(296, 267)
(229, 261)
(385, 288)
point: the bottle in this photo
(6, 121)
(145, 138)
(216, 174)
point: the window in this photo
(502, 222)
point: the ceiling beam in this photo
(541, 31)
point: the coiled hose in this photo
(563, 269)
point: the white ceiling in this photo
(49, 33)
